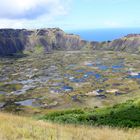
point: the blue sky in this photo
(70, 14)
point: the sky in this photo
(70, 14)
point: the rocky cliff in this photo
(18, 40)
(129, 43)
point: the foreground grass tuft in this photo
(21, 128)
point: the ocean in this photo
(104, 34)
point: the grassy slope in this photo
(21, 128)
(121, 115)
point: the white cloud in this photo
(31, 13)
(28, 9)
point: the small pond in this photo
(28, 102)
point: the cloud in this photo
(31, 9)
(31, 13)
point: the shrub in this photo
(121, 115)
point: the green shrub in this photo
(121, 115)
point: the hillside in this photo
(77, 84)
(49, 39)
(20, 40)
(129, 43)
(15, 128)
(120, 115)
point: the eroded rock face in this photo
(129, 43)
(13, 41)
(19, 40)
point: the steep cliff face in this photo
(129, 43)
(19, 40)
(13, 41)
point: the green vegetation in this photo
(38, 49)
(42, 77)
(121, 115)
(10, 87)
(38, 80)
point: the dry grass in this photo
(22, 128)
